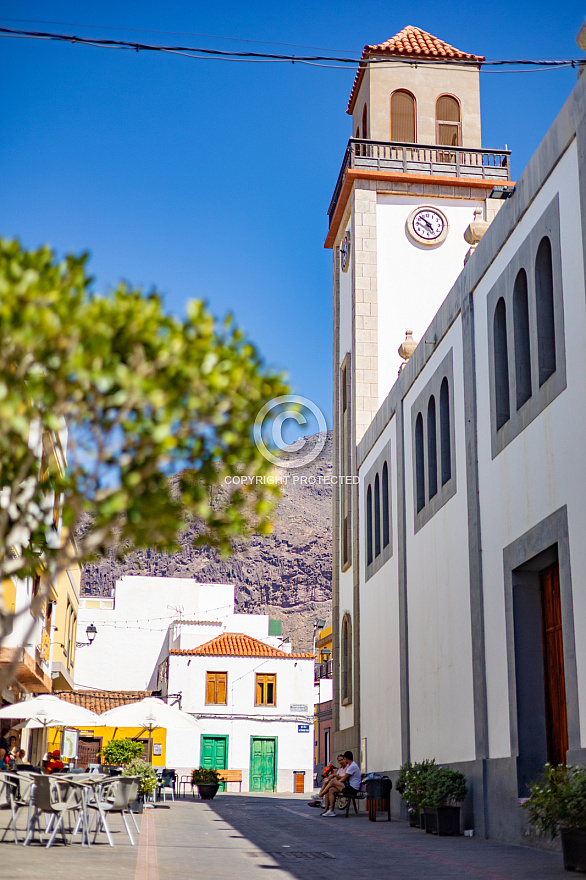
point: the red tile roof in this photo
(101, 701)
(414, 43)
(238, 645)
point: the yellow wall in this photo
(159, 736)
(65, 634)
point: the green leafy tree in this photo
(122, 751)
(142, 395)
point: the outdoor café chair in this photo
(7, 802)
(23, 787)
(54, 798)
(115, 798)
(167, 781)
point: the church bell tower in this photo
(414, 178)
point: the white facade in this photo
(147, 636)
(467, 597)
(289, 723)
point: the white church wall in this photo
(380, 698)
(346, 605)
(438, 597)
(541, 469)
(413, 280)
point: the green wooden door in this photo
(263, 763)
(214, 754)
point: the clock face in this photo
(427, 226)
(345, 252)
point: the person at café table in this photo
(54, 763)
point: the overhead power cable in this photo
(218, 54)
(173, 33)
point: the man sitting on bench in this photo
(347, 785)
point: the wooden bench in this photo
(359, 796)
(231, 776)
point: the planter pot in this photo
(574, 850)
(443, 821)
(416, 819)
(207, 792)
(136, 806)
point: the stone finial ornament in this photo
(474, 232)
(581, 38)
(407, 347)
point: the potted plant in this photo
(445, 789)
(147, 781)
(207, 781)
(411, 785)
(557, 805)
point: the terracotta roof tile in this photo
(411, 42)
(101, 701)
(237, 645)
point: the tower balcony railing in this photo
(436, 160)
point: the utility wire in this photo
(274, 57)
(173, 33)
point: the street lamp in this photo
(91, 633)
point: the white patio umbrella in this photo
(148, 714)
(50, 711)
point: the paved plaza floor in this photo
(243, 836)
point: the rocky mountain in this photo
(287, 575)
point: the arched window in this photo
(448, 121)
(419, 463)
(431, 448)
(346, 660)
(403, 117)
(522, 344)
(386, 509)
(369, 556)
(445, 449)
(365, 122)
(376, 516)
(545, 314)
(357, 135)
(501, 365)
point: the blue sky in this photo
(212, 179)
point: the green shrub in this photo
(412, 782)
(444, 787)
(148, 777)
(558, 801)
(121, 751)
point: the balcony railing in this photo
(323, 670)
(422, 159)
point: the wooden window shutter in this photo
(449, 126)
(447, 109)
(222, 687)
(210, 687)
(403, 117)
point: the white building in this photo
(234, 672)
(456, 597)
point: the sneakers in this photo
(329, 814)
(315, 803)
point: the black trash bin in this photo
(379, 789)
